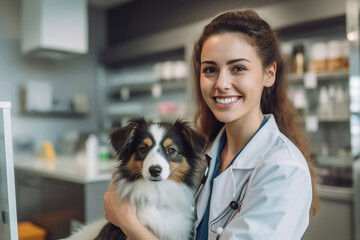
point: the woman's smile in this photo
(226, 102)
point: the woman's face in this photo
(232, 77)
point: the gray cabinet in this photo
(336, 218)
(55, 204)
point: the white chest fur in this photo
(165, 207)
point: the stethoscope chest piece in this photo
(219, 230)
(228, 213)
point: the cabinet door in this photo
(8, 221)
(62, 202)
(334, 222)
(28, 192)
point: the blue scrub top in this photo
(203, 228)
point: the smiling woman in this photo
(244, 109)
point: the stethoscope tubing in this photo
(231, 208)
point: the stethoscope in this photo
(229, 212)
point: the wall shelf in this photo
(172, 84)
(334, 119)
(54, 114)
(325, 76)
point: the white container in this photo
(335, 55)
(319, 57)
(180, 69)
(324, 107)
(339, 108)
(38, 96)
(167, 71)
(92, 148)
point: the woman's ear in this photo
(270, 75)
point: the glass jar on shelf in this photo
(299, 61)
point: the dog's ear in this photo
(198, 141)
(122, 138)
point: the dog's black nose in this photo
(155, 171)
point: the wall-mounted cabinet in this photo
(324, 115)
(155, 88)
(150, 77)
(319, 88)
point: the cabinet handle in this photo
(5, 216)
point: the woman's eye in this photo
(209, 70)
(238, 69)
(143, 149)
(170, 151)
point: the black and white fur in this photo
(159, 166)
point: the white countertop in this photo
(73, 169)
(76, 169)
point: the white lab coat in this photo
(278, 197)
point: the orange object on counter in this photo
(48, 151)
(29, 231)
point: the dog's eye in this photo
(143, 149)
(170, 151)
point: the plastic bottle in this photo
(340, 102)
(332, 102)
(92, 145)
(323, 107)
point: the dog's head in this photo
(158, 151)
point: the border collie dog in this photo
(159, 167)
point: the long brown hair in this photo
(274, 99)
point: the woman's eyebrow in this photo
(228, 62)
(237, 60)
(208, 62)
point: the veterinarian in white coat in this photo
(258, 154)
(257, 158)
(277, 196)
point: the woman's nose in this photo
(223, 81)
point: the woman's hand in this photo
(119, 212)
(122, 213)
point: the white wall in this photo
(67, 77)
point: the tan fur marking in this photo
(134, 166)
(148, 142)
(132, 132)
(167, 142)
(178, 170)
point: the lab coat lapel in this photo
(231, 180)
(228, 184)
(253, 153)
(205, 192)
